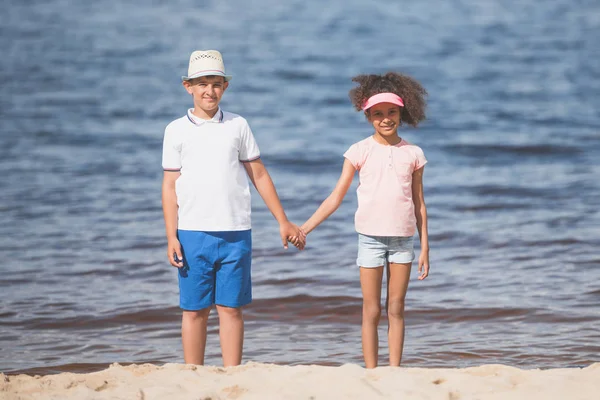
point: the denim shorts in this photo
(216, 269)
(374, 251)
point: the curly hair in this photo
(411, 92)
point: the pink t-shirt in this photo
(385, 203)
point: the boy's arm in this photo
(421, 216)
(263, 183)
(169, 204)
(331, 203)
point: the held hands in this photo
(290, 232)
(423, 264)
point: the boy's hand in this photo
(423, 265)
(174, 253)
(291, 232)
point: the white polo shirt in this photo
(212, 192)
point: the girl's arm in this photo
(331, 203)
(421, 215)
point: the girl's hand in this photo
(423, 265)
(174, 253)
(298, 241)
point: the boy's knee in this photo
(229, 312)
(196, 315)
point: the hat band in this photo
(383, 98)
(208, 70)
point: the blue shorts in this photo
(374, 251)
(216, 269)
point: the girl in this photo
(390, 203)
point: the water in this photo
(512, 188)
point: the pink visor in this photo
(383, 98)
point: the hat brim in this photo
(386, 97)
(211, 73)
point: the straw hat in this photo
(204, 63)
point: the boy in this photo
(207, 156)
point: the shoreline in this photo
(270, 381)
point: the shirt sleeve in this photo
(353, 155)
(248, 147)
(171, 158)
(420, 159)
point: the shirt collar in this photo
(199, 121)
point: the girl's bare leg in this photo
(370, 283)
(398, 277)
(231, 333)
(193, 335)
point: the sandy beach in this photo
(269, 381)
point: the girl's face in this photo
(385, 118)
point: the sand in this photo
(268, 381)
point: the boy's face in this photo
(207, 91)
(385, 118)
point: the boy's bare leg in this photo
(370, 283)
(398, 277)
(193, 335)
(231, 334)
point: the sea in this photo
(512, 183)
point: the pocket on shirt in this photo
(403, 170)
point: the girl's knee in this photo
(371, 311)
(396, 308)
